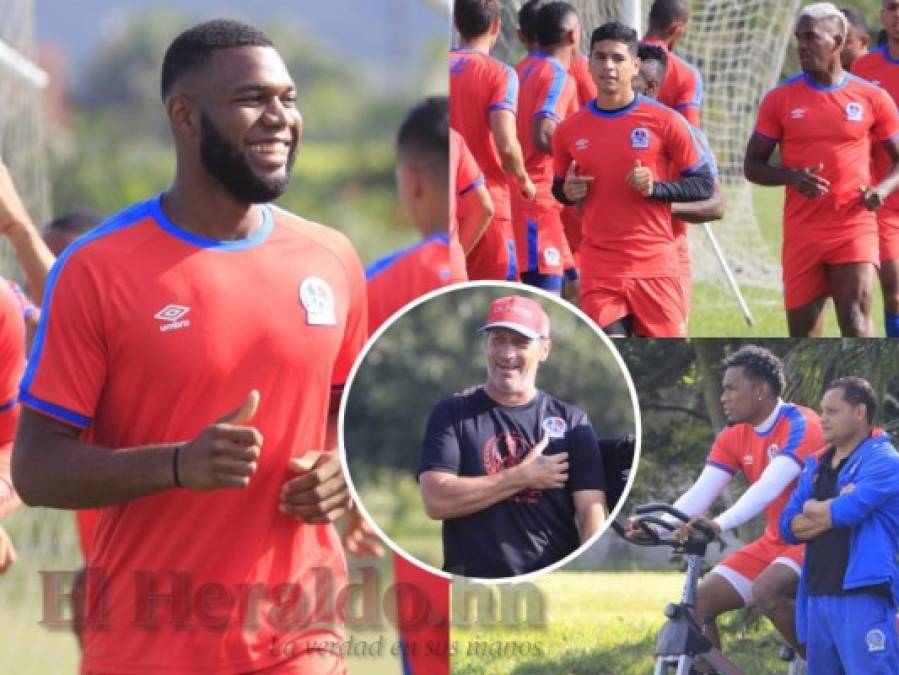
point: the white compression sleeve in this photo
(703, 492)
(774, 479)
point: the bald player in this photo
(653, 62)
(881, 67)
(483, 100)
(422, 148)
(682, 86)
(824, 120)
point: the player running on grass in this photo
(768, 441)
(824, 120)
(628, 158)
(200, 301)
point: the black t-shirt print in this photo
(474, 435)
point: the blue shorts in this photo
(851, 634)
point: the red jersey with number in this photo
(682, 87)
(399, 278)
(879, 68)
(625, 234)
(479, 85)
(795, 433)
(464, 176)
(832, 126)
(149, 334)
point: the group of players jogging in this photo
(594, 165)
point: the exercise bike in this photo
(682, 644)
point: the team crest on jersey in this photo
(748, 460)
(772, 450)
(854, 112)
(555, 427)
(640, 138)
(551, 256)
(853, 469)
(876, 640)
(797, 113)
(318, 301)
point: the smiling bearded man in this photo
(209, 552)
(514, 473)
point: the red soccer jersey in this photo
(830, 126)
(682, 87)
(879, 68)
(795, 433)
(479, 84)
(397, 279)
(464, 176)
(583, 81)
(149, 334)
(546, 91)
(625, 234)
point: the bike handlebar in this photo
(645, 518)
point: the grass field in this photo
(597, 623)
(714, 313)
(46, 541)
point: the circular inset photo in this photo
(489, 430)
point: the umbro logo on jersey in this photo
(748, 460)
(581, 144)
(772, 450)
(172, 317)
(797, 113)
(854, 112)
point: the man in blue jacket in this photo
(846, 509)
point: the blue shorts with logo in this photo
(852, 634)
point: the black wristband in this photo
(175, 475)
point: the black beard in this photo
(231, 169)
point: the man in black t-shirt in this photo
(514, 474)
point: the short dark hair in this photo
(663, 13)
(855, 18)
(77, 221)
(551, 23)
(617, 31)
(760, 364)
(857, 391)
(473, 17)
(194, 47)
(647, 52)
(423, 137)
(527, 19)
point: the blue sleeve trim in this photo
(682, 106)
(511, 97)
(9, 404)
(502, 106)
(891, 138)
(382, 264)
(723, 467)
(479, 181)
(118, 222)
(548, 108)
(797, 430)
(697, 92)
(55, 411)
(696, 167)
(541, 114)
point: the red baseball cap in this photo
(520, 314)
